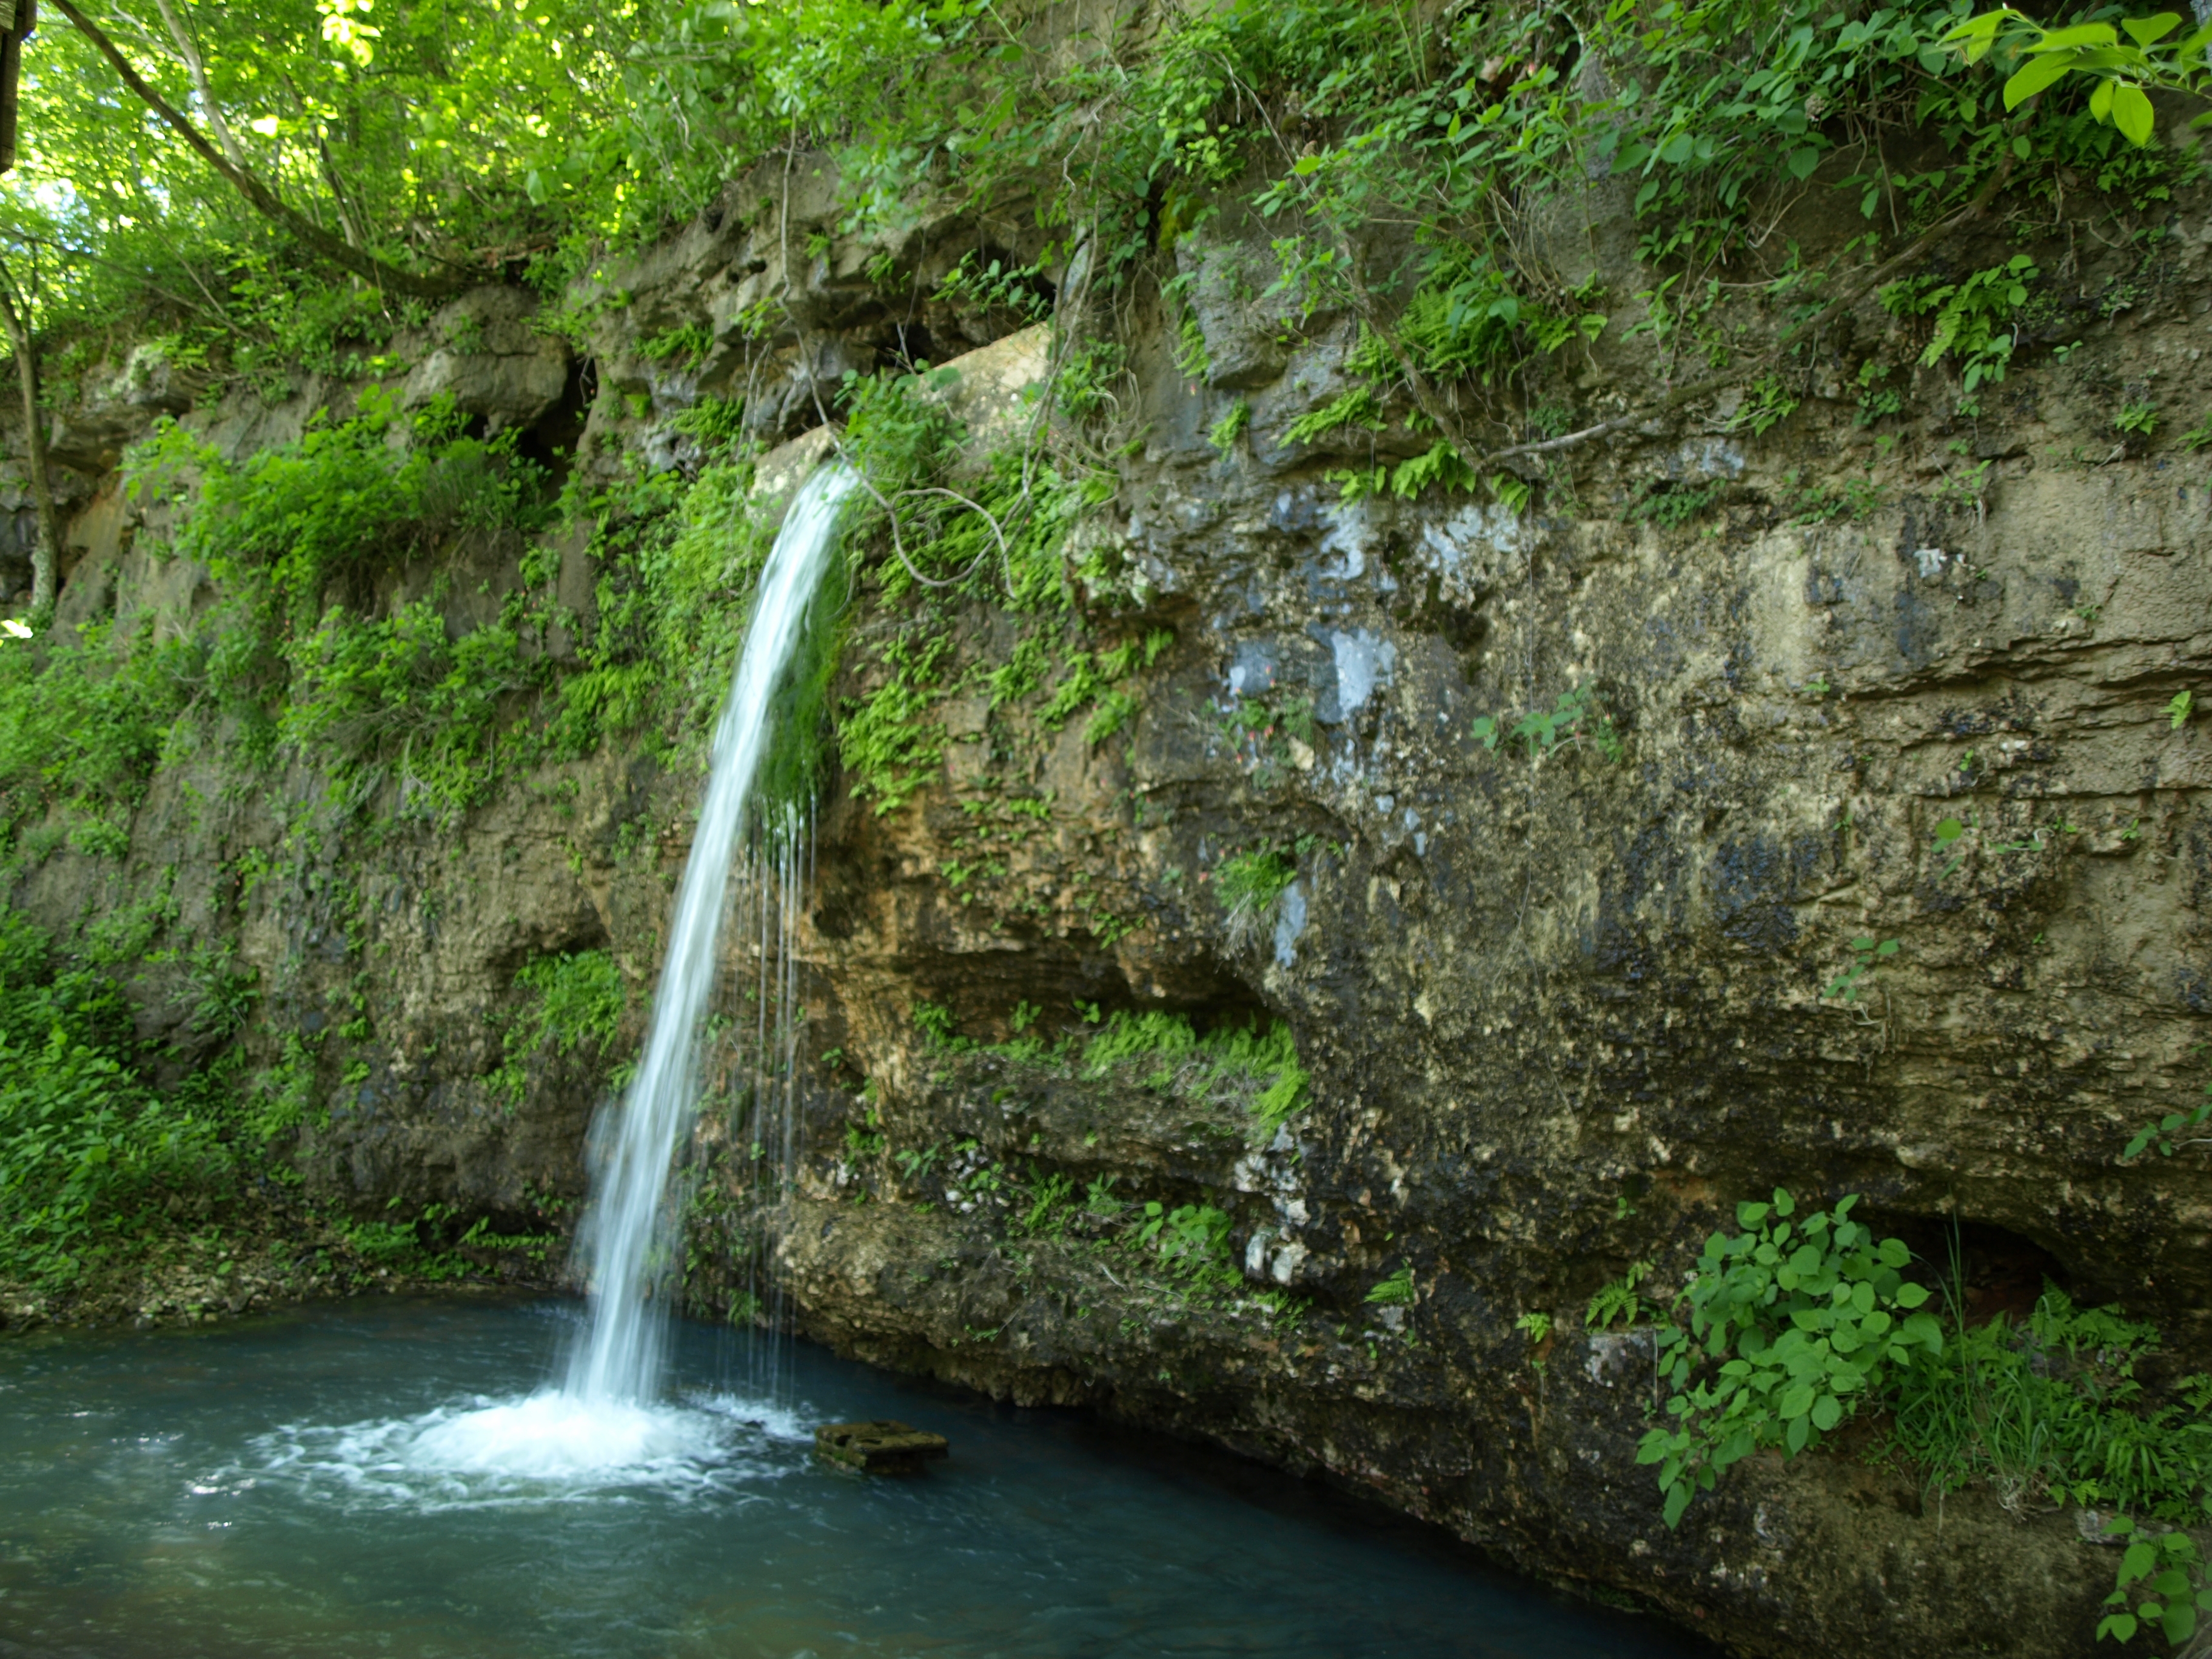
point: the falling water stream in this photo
(620, 1359)
(608, 1413)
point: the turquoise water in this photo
(288, 1487)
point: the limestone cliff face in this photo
(1565, 996)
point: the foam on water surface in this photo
(546, 1447)
(555, 1436)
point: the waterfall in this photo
(619, 1358)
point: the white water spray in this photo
(619, 1358)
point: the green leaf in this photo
(2081, 34)
(1909, 1295)
(1976, 35)
(2132, 114)
(1802, 161)
(2039, 73)
(1827, 1412)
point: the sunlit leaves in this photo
(2122, 68)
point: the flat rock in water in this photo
(881, 1447)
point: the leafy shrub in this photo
(367, 696)
(1972, 318)
(279, 527)
(1671, 506)
(87, 1148)
(1467, 321)
(678, 564)
(278, 533)
(686, 347)
(2174, 1592)
(716, 424)
(84, 730)
(889, 740)
(938, 1028)
(1191, 1239)
(1575, 714)
(898, 427)
(2167, 1133)
(571, 1000)
(1793, 1326)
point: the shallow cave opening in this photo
(903, 348)
(985, 295)
(1995, 1270)
(551, 441)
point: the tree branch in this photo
(264, 200)
(190, 54)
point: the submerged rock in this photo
(882, 1446)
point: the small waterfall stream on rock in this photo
(606, 1415)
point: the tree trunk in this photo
(45, 556)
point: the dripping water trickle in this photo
(770, 888)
